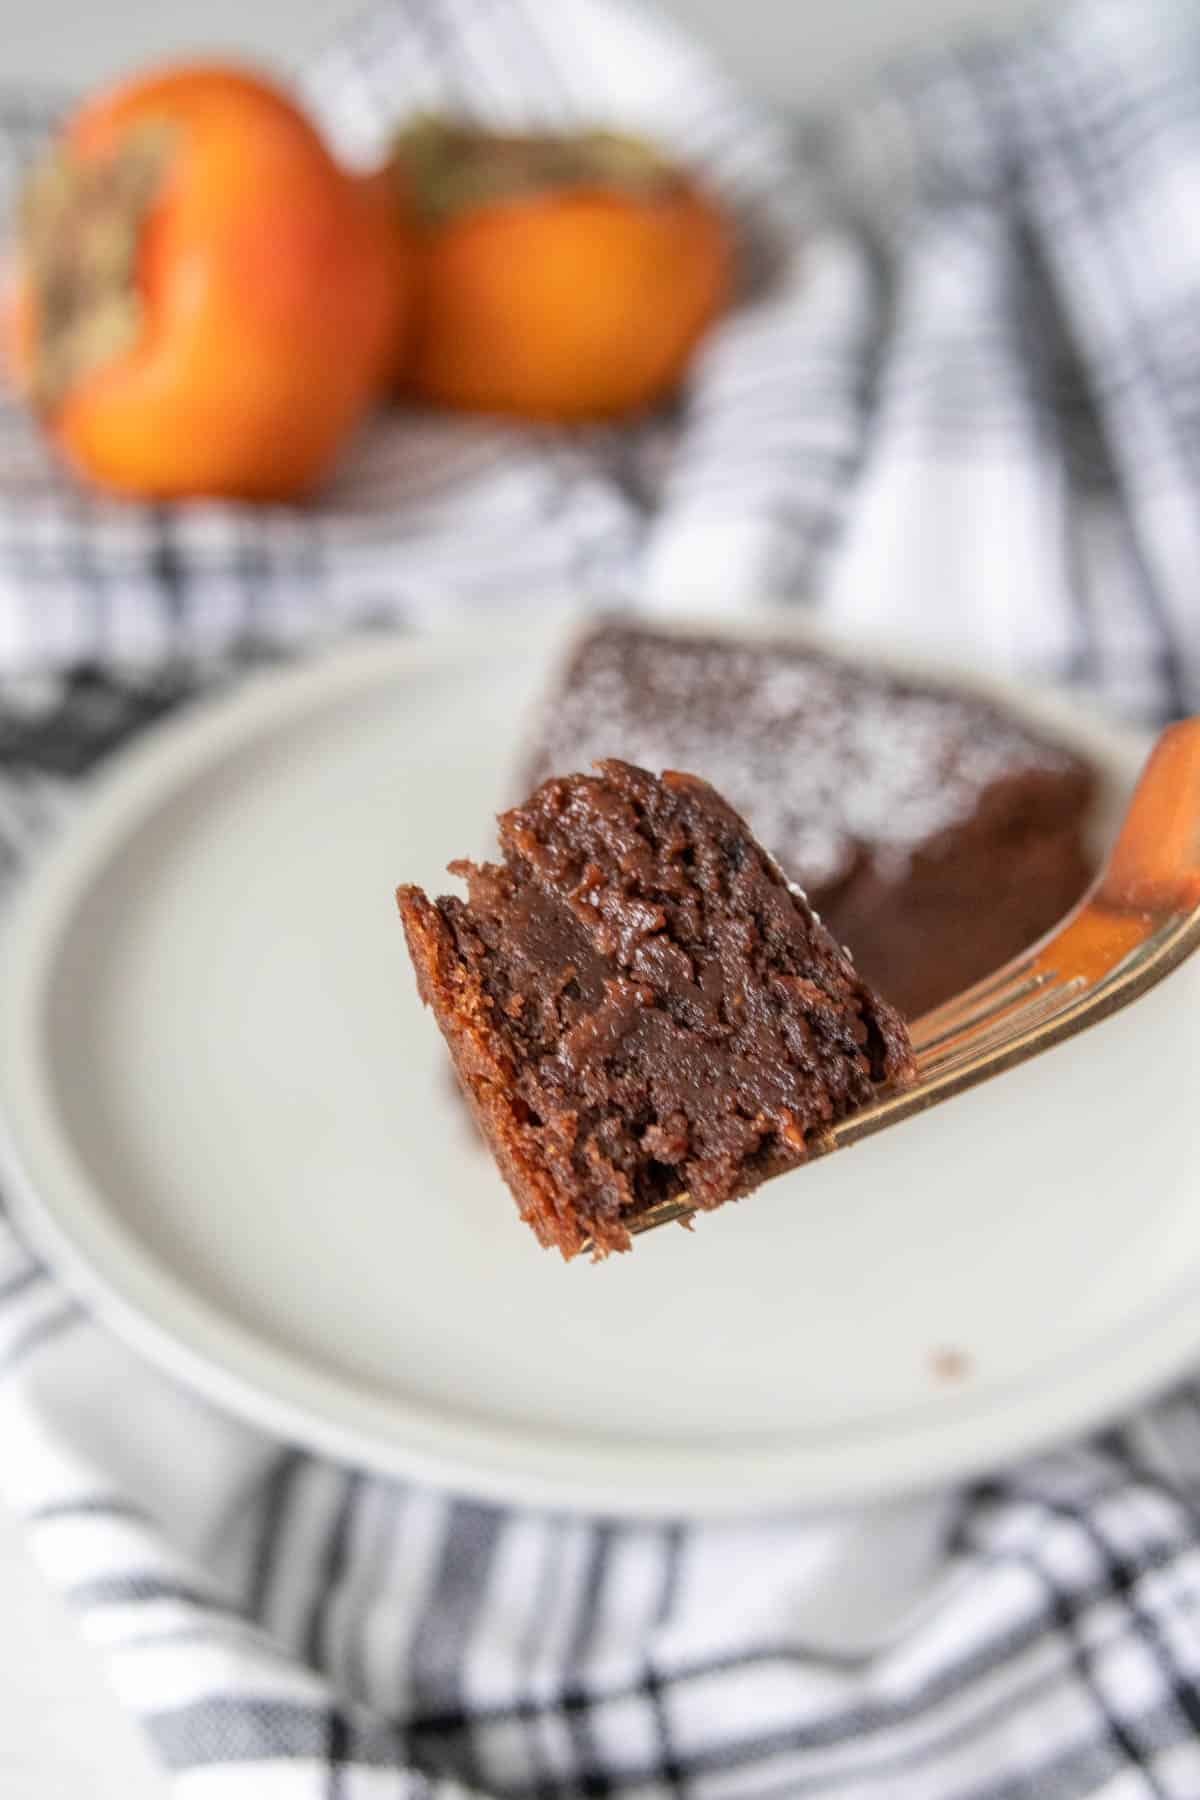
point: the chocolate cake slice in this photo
(934, 834)
(639, 1006)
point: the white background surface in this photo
(62, 1737)
(792, 49)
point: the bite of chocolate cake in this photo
(640, 1006)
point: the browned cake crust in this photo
(934, 833)
(639, 1006)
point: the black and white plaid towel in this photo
(962, 407)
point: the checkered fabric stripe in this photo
(959, 407)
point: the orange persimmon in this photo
(205, 303)
(557, 278)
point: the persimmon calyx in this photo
(451, 167)
(81, 225)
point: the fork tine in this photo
(1056, 995)
(1045, 1002)
(1011, 971)
(977, 1008)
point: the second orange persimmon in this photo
(557, 279)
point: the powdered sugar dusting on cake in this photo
(826, 762)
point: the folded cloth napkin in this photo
(960, 406)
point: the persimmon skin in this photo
(272, 291)
(568, 306)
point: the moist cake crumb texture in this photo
(639, 1005)
(871, 792)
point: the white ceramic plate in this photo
(231, 1126)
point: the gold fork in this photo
(1137, 922)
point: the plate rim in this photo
(147, 1305)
